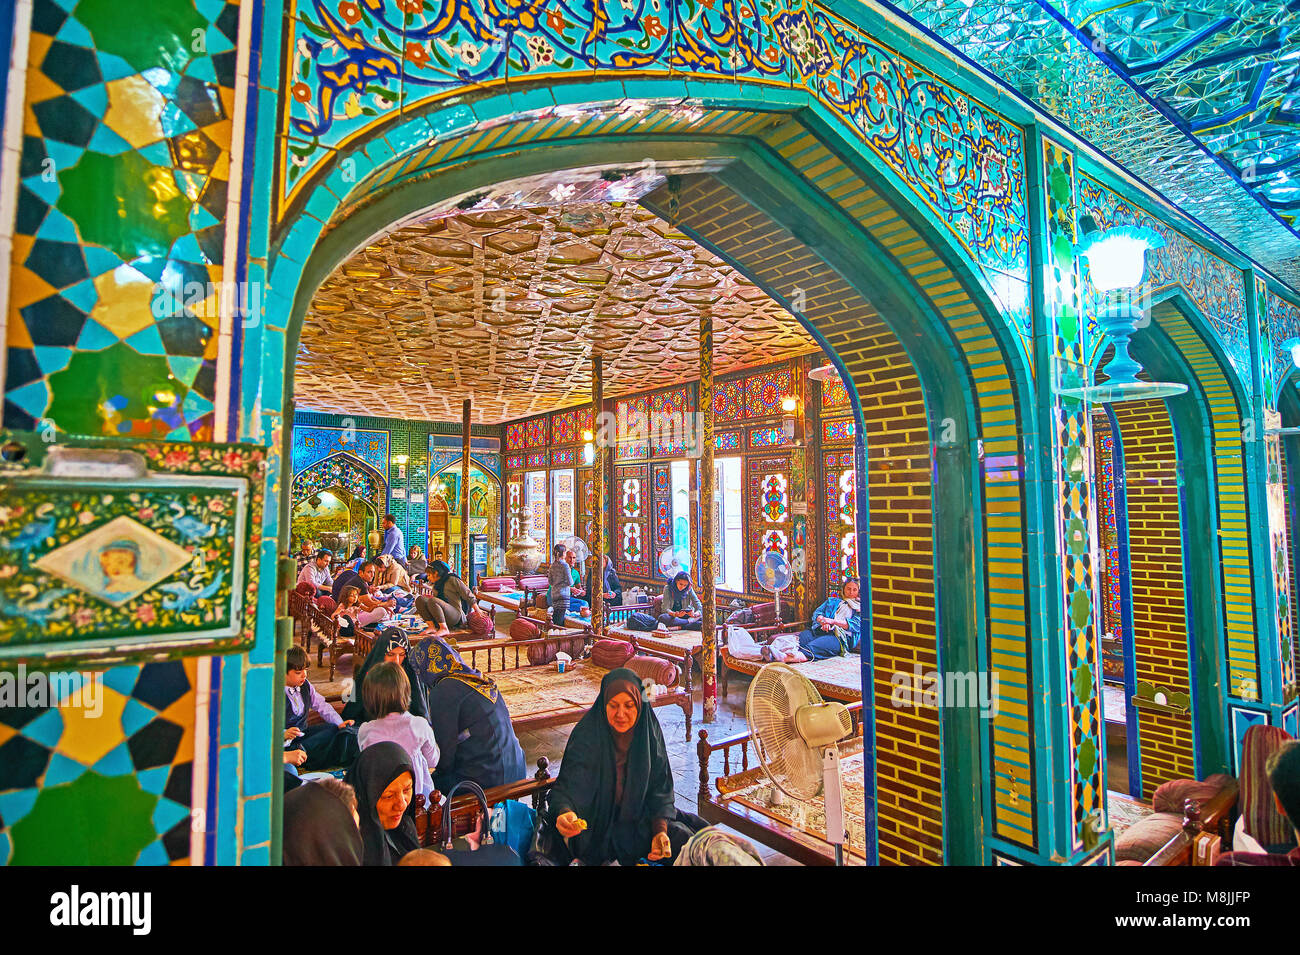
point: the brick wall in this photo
(1156, 585)
(902, 628)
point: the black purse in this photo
(488, 852)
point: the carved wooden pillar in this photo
(597, 595)
(708, 569)
(464, 492)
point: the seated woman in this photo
(393, 581)
(452, 601)
(837, 626)
(387, 696)
(613, 799)
(320, 825)
(560, 582)
(611, 586)
(577, 592)
(391, 646)
(471, 723)
(681, 607)
(416, 565)
(384, 785)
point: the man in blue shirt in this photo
(394, 540)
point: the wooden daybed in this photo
(839, 678)
(539, 696)
(739, 799)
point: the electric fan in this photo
(578, 546)
(796, 737)
(669, 564)
(774, 574)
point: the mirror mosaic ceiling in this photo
(503, 306)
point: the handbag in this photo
(641, 621)
(489, 851)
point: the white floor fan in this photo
(796, 736)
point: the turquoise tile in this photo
(528, 100)
(16, 803)
(50, 359)
(113, 67)
(588, 92)
(166, 814)
(153, 854)
(94, 337)
(94, 98)
(257, 821)
(148, 341)
(231, 698)
(74, 32)
(83, 294)
(157, 154)
(46, 729)
(185, 367)
(258, 761)
(260, 855)
(116, 763)
(409, 136)
(202, 69)
(227, 803)
(61, 770)
(47, 191)
(33, 398)
(108, 142)
(59, 228)
(154, 780)
(186, 249)
(452, 121)
(135, 716)
(6, 847)
(321, 203)
(122, 679)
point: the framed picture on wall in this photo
(113, 550)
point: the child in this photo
(386, 694)
(326, 745)
(352, 614)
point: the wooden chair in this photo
(465, 809)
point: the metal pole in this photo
(708, 661)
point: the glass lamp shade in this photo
(1293, 346)
(1117, 256)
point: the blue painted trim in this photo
(1134, 742)
(214, 748)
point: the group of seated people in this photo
(568, 593)
(425, 720)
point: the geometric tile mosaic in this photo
(113, 304)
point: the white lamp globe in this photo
(1117, 256)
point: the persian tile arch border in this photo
(1073, 485)
(922, 256)
(1217, 287)
(1223, 400)
(313, 478)
(959, 159)
(1282, 322)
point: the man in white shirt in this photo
(317, 572)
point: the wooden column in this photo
(708, 595)
(464, 491)
(597, 542)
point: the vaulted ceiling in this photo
(505, 307)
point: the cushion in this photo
(496, 583)
(1171, 795)
(326, 603)
(661, 671)
(739, 618)
(540, 601)
(611, 654)
(535, 582)
(306, 589)
(544, 652)
(1140, 841)
(764, 614)
(523, 629)
(478, 623)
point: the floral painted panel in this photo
(151, 563)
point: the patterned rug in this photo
(1125, 811)
(756, 791)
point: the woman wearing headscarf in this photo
(391, 646)
(681, 607)
(320, 828)
(471, 723)
(415, 562)
(451, 603)
(837, 625)
(613, 799)
(384, 783)
(611, 586)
